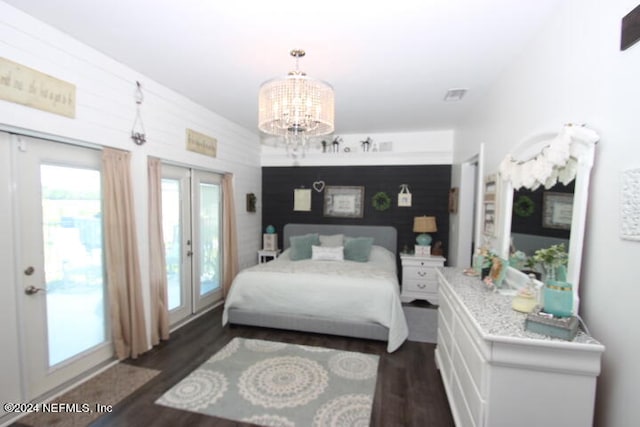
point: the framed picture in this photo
(344, 201)
(630, 209)
(489, 205)
(557, 210)
(453, 200)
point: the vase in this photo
(558, 298)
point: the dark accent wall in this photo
(533, 223)
(429, 186)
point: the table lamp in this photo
(424, 225)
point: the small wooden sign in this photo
(200, 143)
(26, 86)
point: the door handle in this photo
(32, 290)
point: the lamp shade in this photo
(424, 224)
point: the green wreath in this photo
(523, 206)
(381, 201)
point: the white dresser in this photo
(497, 374)
(419, 280)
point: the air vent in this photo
(454, 95)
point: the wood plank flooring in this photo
(409, 391)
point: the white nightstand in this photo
(419, 280)
(265, 255)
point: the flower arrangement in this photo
(554, 260)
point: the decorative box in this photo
(545, 324)
(422, 250)
(270, 241)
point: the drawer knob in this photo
(422, 273)
(422, 285)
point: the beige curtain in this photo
(157, 261)
(229, 234)
(123, 267)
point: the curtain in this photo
(229, 235)
(122, 263)
(157, 261)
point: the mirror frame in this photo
(584, 153)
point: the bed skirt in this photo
(373, 331)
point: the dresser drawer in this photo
(419, 285)
(424, 273)
(473, 359)
(468, 387)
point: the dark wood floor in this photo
(409, 391)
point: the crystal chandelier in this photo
(296, 107)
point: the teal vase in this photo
(423, 239)
(270, 229)
(558, 298)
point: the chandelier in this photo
(296, 107)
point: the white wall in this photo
(105, 112)
(574, 71)
(407, 148)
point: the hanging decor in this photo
(296, 107)
(523, 206)
(556, 162)
(404, 196)
(381, 201)
(137, 131)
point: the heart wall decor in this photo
(318, 186)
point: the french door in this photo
(191, 217)
(62, 283)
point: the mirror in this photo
(566, 156)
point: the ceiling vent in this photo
(454, 95)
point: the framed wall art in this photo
(344, 201)
(557, 210)
(630, 210)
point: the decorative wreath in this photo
(523, 206)
(381, 201)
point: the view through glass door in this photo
(191, 216)
(65, 319)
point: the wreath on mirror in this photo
(523, 206)
(381, 201)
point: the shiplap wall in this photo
(105, 112)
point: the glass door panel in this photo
(209, 238)
(172, 240)
(72, 234)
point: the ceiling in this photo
(390, 62)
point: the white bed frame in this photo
(385, 236)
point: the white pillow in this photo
(332, 241)
(325, 253)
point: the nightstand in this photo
(265, 255)
(419, 280)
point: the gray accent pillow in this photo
(332, 241)
(358, 248)
(300, 246)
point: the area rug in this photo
(422, 322)
(106, 388)
(277, 384)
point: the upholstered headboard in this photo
(383, 235)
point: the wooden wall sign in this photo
(26, 86)
(201, 143)
(630, 29)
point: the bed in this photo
(348, 298)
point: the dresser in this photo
(419, 280)
(496, 373)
